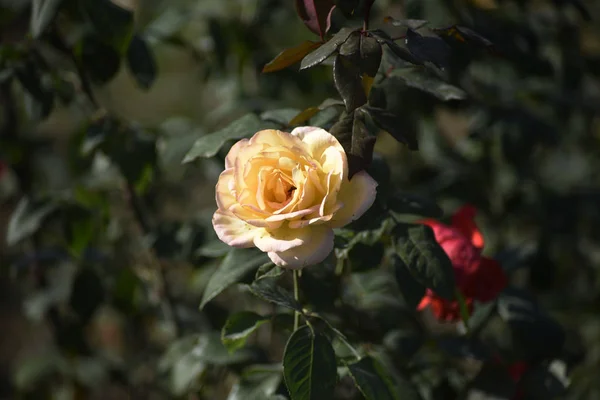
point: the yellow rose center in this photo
(278, 189)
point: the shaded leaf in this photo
(256, 387)
(27, 218)
(394, 125)
(235, 265)
(42, 12)
(307, 114)
(428, 48)
(112, 24)
(426, 260)
(281, 116)
(370, 55)
(426, 81)
(238, 327)
(464, 34)
(327, 49)
(309, 366)
(209, 145)
(351, 132)
(268, 289)
(406, 23)
(348, 83)
(351, 47)
(538, 383)
(290, 56)
(412, 290)
(413, 204)
(366, 376)
(535, 335)
(100, 60)
(397, 50)
(87, 294)
(316, 15)
(141, 62)
(41, 100)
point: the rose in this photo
(285, 192)
(477, 277)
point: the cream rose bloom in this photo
(285, 192)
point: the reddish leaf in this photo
(290, 56)
(316, 15)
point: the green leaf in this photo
(39, 100)
(327, 49)
(42, 12)
(100, 60)
(290, 56)
(370, 55)
(187, 358)
(406, 23)
(309, 366)
(395, 125)
(238, 327)
(351, 47)
(310, 112)
(27, 218)
(426, 260)
(281, 116)
(268, 289)
(257, 382)
(213, 249)
(236, 264)
(428, 48)
(400, 52)
(535, 335)
(412, 204)
(141, 62)
(366, 376)
(411, 289)
(425, 80)
(209, 145)
(255, 389)
(111, 23)
(348, 82)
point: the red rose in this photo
(477, 277)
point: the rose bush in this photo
(477, 277)
(285, 192)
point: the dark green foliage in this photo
(108, 248)
(309, 365)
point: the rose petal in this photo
(233, 153)
(234, 231)
(314, 251)
(463, 220)
(224, 192)
(273, 137)
(324, 148)
(358, 196)
(282, 239)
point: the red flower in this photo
(477, 277)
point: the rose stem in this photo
(296, 297)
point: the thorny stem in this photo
(296, 297)
(368, 5)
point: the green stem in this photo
(296, 297)
(464, 311)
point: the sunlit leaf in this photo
(309, 366)
(235, 265)
(238, 327)
(425, 259)
(290, 56)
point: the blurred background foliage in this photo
(107, 245)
